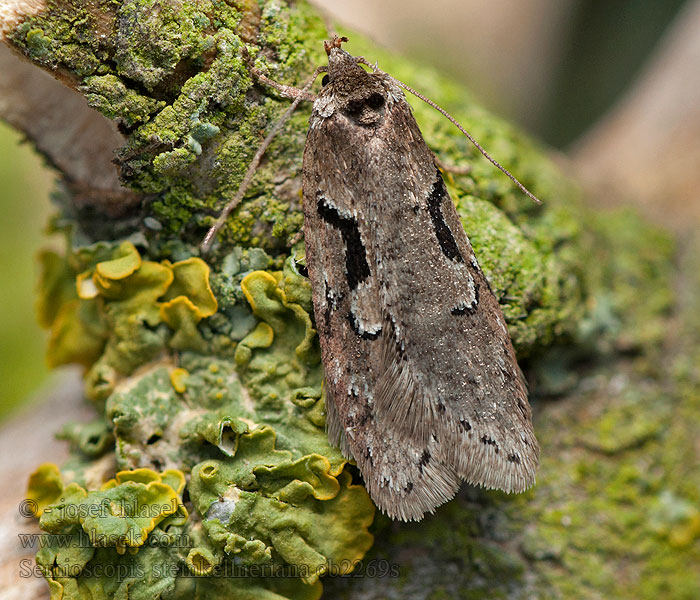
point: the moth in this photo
(422, 385)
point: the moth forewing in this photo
(422, 386)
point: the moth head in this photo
(358, 95)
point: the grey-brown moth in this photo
(422, 385)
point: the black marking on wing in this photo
(424, 460)
(368, 456)
(365, 335)
(469, 309)
(447, 242)
(356, 266)
(490, 442)
(363, 415)
(328, 313)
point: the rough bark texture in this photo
(181, 360)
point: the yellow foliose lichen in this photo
(44, 487)
(104, 305)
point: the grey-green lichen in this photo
(213, 369)
(239, 411)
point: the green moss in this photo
(38, 45)
(181, 87)
(109, 95)
(94, 529)
(260, 433)
(191, 280)
(289, 326)
(168, 34)
(79, 60)
(632, 256)
(266, 513)
(175, 161)
(619, 489)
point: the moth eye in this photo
(325, 80)
(375, 101)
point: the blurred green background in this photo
(25, 183)
(601, 48)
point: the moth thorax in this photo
(365, 107)
(357, 94)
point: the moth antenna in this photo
(478, 146)
(252, 167)
(297, 237)
(456, 169)
(287, 91)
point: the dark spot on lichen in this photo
(301, 269)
